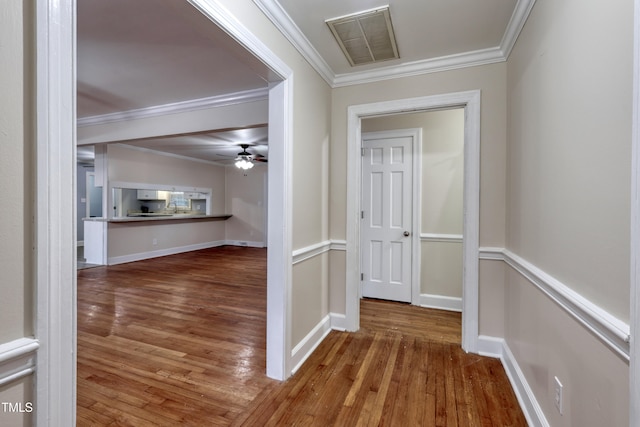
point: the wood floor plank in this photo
(180, 340)
(382, 391)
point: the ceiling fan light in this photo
(243, 163)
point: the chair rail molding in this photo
(311, 251)
(612, 331)
(17, 359)
(443, 238)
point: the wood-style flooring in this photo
(180, 341)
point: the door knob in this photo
(406, 234)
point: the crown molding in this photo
(279, 17)
(445, 63)
(178, 107)
(516, 24)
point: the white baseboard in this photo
(17, 359)
(303, 350)
(490, 346)
(441, 302)
(245, 243)
(163, 252)
(498, 348)
(180, 249)
(300, 353)
(528, 402)
(338, 321)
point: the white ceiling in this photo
(142, 53)
(425, 29)
(138, 54)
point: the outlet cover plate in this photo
(557, 385)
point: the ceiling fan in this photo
(245, 160)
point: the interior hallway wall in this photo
(568, 202)
(17, 141)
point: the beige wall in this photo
(143, 166)
(246, 201)
(15, 159)
(19, 392)
(570, 94)
(307, 290)
(132, 165)
(491, 80)
(569, 152)
(441, 193)
(16, 185)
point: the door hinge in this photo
(361, 276)
(361, 214)
(362, 151)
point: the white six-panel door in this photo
(387, 207)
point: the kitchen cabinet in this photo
(194, 195)
(148, 198)
(149, 194)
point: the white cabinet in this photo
(95, 235)
(148, 195)
(194, 195)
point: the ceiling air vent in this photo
(365, 37)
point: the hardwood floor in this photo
(180, 340)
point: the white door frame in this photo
(634, 346)
(416, 212)
(55, 257)
(471, 102)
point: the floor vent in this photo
(365, 37)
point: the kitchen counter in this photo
(146, 217)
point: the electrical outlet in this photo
(155, 241)
(558, 394)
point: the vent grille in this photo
(365, 37)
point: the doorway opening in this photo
(55, 185)
(426, 233)
(470, 102)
